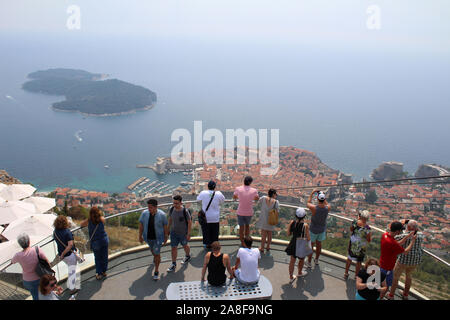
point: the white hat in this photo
(321, 196)
(300, 213)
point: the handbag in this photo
(88, 243)
(273, 216)
(42, 266)
(303, 247)
(78, 254)
(202, 214)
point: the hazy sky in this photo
(411, 24)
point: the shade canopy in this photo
(13, 210)
(42, 204)
(15, 192)
(39, 226)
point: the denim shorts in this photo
(244, 220)
(389, 276)
(176, 239)
(318, 237)
(154, 246)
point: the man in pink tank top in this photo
(246, 196)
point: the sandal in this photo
(104, 274)
(345, 276)
(292, 279)
(98, 277)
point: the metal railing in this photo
(116, 215)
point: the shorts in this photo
(237, 273)
(244, 220)
(389, 276)
(176, 239)
(318, 237)
(155, 247)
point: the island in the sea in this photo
(85, 93)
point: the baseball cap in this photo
(300, 213)
(321, 196)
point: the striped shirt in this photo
(413, 257)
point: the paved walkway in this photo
(130, 276)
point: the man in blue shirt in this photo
(153, 230)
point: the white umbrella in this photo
(39, 226)
(2, 200)
(14, 192)
(9, 248)
(2, 185)
(12, 210)
(42, 204)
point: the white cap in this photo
(321, 196)
(300, 213)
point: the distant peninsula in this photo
(89, 94)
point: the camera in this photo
(405, 224)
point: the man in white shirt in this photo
(210, 230)
(247, 258)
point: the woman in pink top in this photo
(28, 260)
(246, 196)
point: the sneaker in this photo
(304, 273)
(156, 276)
(316, 261)
(186, 259)
(172, 267)
(308, 264)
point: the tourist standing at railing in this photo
(180, 224)
(360, 238)
(210, 227)
(48, 288)
(300, 244)
(246, 196)
(391, 248)
(267, 204)
(28, 260)
(153, 230)
(363, 291)
(64, 239)
(98, 241)
(318, 229)
(216, 263)
(407, 262)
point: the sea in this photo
(355, 107)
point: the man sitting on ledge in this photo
(247, 258)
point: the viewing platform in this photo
(130, 274)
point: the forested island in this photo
(84, 92)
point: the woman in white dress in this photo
(267, 203)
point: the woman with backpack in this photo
(300, 244)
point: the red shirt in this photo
(390, 249)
